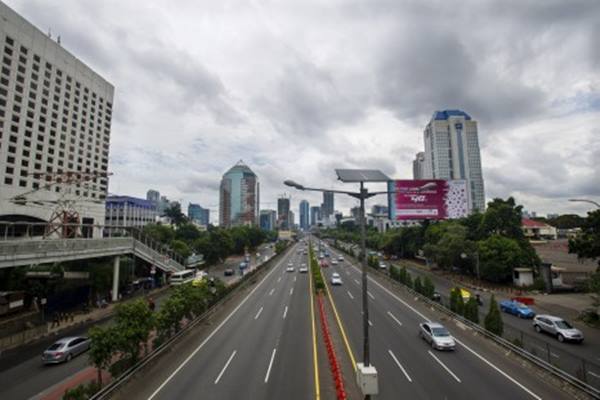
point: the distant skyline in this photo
(299, 88)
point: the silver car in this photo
(65, 349)
(437, 336)
(558, 327)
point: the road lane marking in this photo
(270, 365)
(294, 279)
(350, 294)
(314, 336)
(271, 292)
(400, 366)
(291, 291)
(443, 365)
(370, 323)
(370, 295)
(357, 282)
(217, 329)
(394, 318)
(225, 367)
(279, 279)
(285, 312)
(339, 322)
(593, 374)
(510, 378)
(258, 313)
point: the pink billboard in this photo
(428, 199)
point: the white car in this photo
(303, 269)
(334, 262)
(340, 258)
(289, 269)
(336, 279)
(382, 265)
(437, 336)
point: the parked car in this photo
(228, 272)
(558, 327)
(437, 297)
(382, 265)
(516, 308)
(336, 279)
(65, 349)
(437, 336)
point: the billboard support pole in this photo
(365, 299)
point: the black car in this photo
(228, 272)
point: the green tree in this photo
(418, 286)
(457, 304)
(134, 322)
(587, 243)
(499, 256)
(452, 243)
(181, 248)
(187, 233)
(428, 287)
(502, 217)
(493, 319)
(173, 212)
(472, 310)
(103, 346)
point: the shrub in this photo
(493, 319)
(472, 310)
(418, 286)
(428, 288)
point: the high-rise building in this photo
(239, 197)
(304, 215)
(283, 213)
(327, 208)
(129, 211)
(199, 214)
(153, 196)
(268, 220)
(452, 152)
(379, 210)
(55, 117)
(315, 215)
(419, 165)
(291, 220)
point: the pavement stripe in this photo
(394, 318)
(400, 365)
(314, 338)
(593, 374)
(291, 291)
(285, 312)
(443, 365)
(457, 341)
(350, 294)
(225, 367)
(217, 329)
(270, 365)
(294, 279)
(279, 279)
(370, 323)
(258, 313)
(271, 292)
(370, 295)
(357, 282)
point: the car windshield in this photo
(336, 275)
(56, 346)
(563, 324)
(521, 305)
(440, 332)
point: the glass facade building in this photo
(239, 197)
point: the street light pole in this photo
(585, 201)
(365, 299)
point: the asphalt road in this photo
(261, 350)
(408, 367)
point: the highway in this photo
(408, 366)
(261, 350)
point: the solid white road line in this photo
(217, 329)
(258, 313)
(271, 292)
(394, 318)
(291, 291)
(285, 312)
(350, 294)
(443, 365)
(225, 367)
(400, 365)
(370, 295)
(510, 378)
(270, 365)
(593, 374)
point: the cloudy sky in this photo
(298, 88)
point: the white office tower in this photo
(419, 165)
(452, 152)
(55, 123)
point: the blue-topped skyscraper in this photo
(452, 152)
(304, 215)
(239, 197)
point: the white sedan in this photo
(336, 279)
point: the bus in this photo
(181, 277)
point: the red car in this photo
(324, 264)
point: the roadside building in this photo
(127, 211)
(536, 230)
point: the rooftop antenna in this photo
(58, 39)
